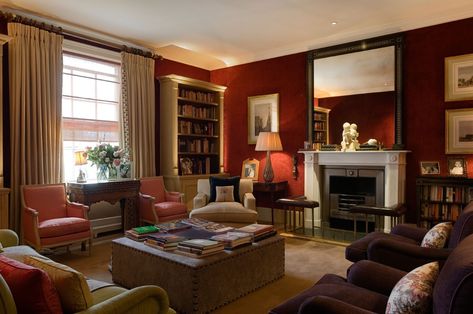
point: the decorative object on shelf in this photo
(459, 131)
(250, 169)
(350, 137)
(459, 77)
(80, 158)
(457, 167)
(186, 166)
(262, 115)
(330, 147)
(268, 141)
(106, 158)
(429, 168)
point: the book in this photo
(256, 229)
(194, 255)
(172, 226)
(131, 234)
(233, 239)
(207, 225)
(158, 246)
(145, 229)
(165, 237)
(200, 251)
(200, 243)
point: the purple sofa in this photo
(368, 285)
(401, 248)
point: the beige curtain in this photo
(138, 113)
(35, 75)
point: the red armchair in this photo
(158, 205)
(50, 220)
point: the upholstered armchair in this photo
(157, 205)
(369, 286)
(50, 220)
(243, 210)
(402, 247)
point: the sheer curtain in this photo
(35, 67)
(138, 113)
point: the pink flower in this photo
(116, 162)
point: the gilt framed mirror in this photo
(359, 82)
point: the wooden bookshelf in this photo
(191, 132)
(441, 198)
(320, 127)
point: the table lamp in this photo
(268, 141)
(79, 161)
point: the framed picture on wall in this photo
(457, 167)
(249, 169)
(459, 77)
(429, 168)
(459, 131)
(263, 115)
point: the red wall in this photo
(165, 67)
(286, 76)
(424, 103)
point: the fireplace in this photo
(381, 176)
(345, 187)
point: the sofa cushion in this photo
(19, 252)
(222, 181)
(225, 212)
(224, 194)
(31, 287)
(71, 285)
(62, 226)
(170, 208)
(437, 236)
(413, 293)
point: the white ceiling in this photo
(213, 34)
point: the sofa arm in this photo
(374, 276)
(77, 210)
(133, 301)
(410, 231)
(249, 201)
(329, 305)
(30, 224)
(8, 238)
(404, 256)
(174, 197)
(200, 200)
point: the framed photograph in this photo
(457, 167)
(249, 169)
(459, 77)
(263, 115)
(459, 131)
(428, 168)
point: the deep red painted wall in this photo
(424, 102)
(286, 76)
(165, 67)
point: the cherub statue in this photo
(354, 145)
(346, 137)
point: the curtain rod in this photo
(11, 17)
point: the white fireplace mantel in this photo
(393, 162)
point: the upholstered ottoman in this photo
(199, 285)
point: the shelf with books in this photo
(320, 127)
(441, 199)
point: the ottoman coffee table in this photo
(199, 285)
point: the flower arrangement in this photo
(107, 157)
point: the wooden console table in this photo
(125, 191)
(275, 190)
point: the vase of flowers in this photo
(106, 158)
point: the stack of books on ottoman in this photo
(199, 247)
(141, 233)
(258, 231)
(233, 239)
(163, 241)
(204, 224)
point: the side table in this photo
(275, 190)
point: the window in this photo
(90, 107)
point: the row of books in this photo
(319, 126)
(196, 95)
(196, 128)
(197, 165)
(319, 136)
(440, 211)
(320, 116)
(196, 146)
(198, 248)
(445, 194)
(192, 111)
(211, 226)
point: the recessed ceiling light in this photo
(334, 23)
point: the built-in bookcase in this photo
(442, 198)
(320, 127)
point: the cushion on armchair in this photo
(220, 181)
(437, 236)
(224, 194)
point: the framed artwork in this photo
(263, 115)
(186, 166)
(459, 77)
(459, 131)
(457, 167)
(249, 169)
(428, 168)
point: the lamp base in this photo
(268, 174)
(81, 178)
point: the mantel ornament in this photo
(350, 137)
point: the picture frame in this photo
(459, 131)
(186, 166)
(429, 168)
(458, 77)
(263, 115)
(457, 166)
(250, 169)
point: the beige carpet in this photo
(306, 262)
